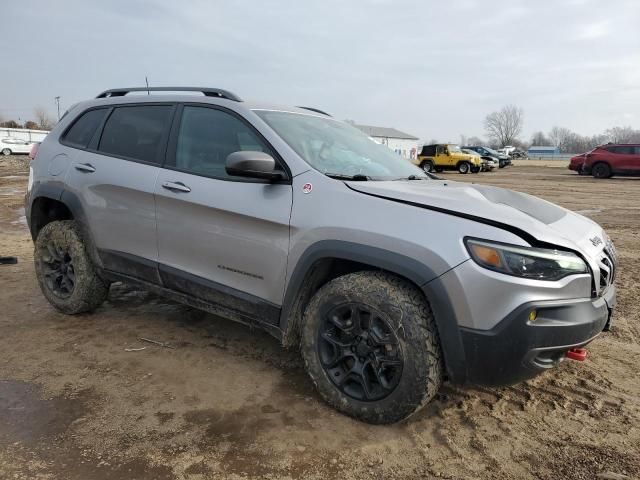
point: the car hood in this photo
(542, 220)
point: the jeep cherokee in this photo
(290, 220)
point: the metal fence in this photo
(552, 156)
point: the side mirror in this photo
(252, 165)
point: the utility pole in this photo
(57, 99)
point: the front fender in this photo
(418, 273)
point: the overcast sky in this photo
(431, 68)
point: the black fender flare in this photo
(56, 191)
(423, 276)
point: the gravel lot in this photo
(228, 402)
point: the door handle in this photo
(176, 187)
(85, 167)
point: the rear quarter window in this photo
(83, 129)
(625, 150)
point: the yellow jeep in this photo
(447, 157)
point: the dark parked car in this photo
(489, 153)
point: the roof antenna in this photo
(147, 82)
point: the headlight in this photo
(525, 262)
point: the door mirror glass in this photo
(253, 165)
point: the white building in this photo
(23, 134)
(400, 142)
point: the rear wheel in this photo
(371, 347)
(601, 170)
(6, 152)
(427, 166)
(475, 169)
(463, 167)
(67, 277)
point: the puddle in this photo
(28, 418)
(10, 192)
(42, 425)
(590, 211)
(22, 219)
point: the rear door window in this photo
(623, 150)
(137, 132)
(82, 131)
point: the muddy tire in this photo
(371, 347)
(67, 277)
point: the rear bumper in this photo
(517, 349)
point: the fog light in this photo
(533, 315)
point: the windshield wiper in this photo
(341, 176)
(414, 177)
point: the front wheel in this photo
(601, 170)
(427, 166)
(65, 272)
(370, 345)
(463, 167)
(6, 152)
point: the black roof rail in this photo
(315, 110)
(208, 92)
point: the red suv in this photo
(607, 160)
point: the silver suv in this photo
(389, 280)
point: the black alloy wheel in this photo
(601, 170)
(58, 269)
(360, 352)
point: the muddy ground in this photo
(228, 402)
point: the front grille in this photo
(607, 264)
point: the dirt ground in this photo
(229, 402)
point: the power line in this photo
(57, 99)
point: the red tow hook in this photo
(579, 354)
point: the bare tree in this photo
(475, 141)
(559, 136)
(43, 119)
(504, 126)
(10, 124)
(623, 135)
(540, 139)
